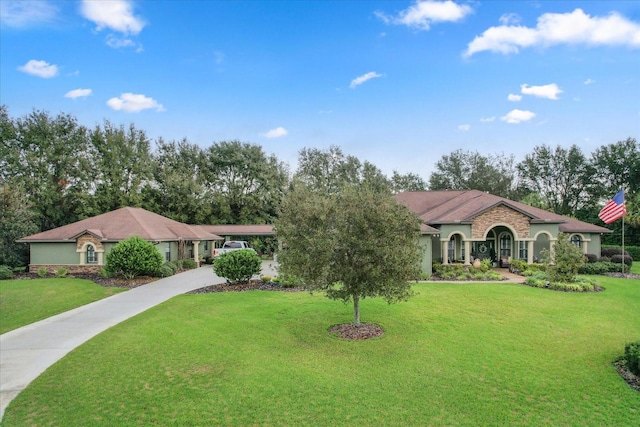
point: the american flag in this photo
(615, 209)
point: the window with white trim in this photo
(92, 256)
(576, 240)
(523, 250)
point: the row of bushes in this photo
(465, 272)
(582, 284)
(632, 251)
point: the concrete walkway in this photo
(27, 352)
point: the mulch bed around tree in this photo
(252, 285)
(349, 331)
(632, 379)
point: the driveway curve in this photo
(27, 352)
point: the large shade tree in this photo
(563, 178)
(471, 170)
(351, 244)
(244, 183)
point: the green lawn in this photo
(454, 355)
(26, 301)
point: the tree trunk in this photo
(356, 311)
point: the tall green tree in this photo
(617, 166)
(351, 244)
(407, 182)
(122, 166)
(48, 156)
(179, 184)
(562, 177)
(331, 170)
(470, 170)
(17, 220)
(244, 184)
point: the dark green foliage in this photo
(633, 251)
(16, 221)
(601, 267)
(134, 257)
(591, 258)
(609, 251)
(619, 259)
(632, 356)
(188, 264)
(5, 272)
(237, 266)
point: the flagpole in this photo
(623, 275)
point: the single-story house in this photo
(459, 226)
(82, 246)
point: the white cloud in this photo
(514, 98)
(549, 91)
(589, 81)
(276, 133)
(77, 93)
(23, 13)
(559, 28)
(464, 128)
(488, 119)
(426, 12)
(116, 15)
(517, 116)
(510, 18)
(39, 68)
(363, 78)
(133, 103)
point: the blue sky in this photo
(398, 83)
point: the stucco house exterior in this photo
(82, 246)
(457, 226)
(464, 225)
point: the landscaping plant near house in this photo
(632, 357)
(5, 272)
(134, 257)
(237, 266)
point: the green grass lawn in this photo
(26, 301)
(454, 355)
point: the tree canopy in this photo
(351, 244)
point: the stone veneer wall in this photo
(89, 238)
(500, 215)
(71, 269)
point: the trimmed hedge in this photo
(237, 266)
(602, 267)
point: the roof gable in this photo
(123, 223)
(462, 206)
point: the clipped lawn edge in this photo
(629, 377)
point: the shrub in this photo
(237, 266)
(617, 259)
(266, 279)
(61, 272)
(564, 261)
(5, 272)
(290, 281)
(172, 266)
(591, 258)
(134, 257)
(188, 264)
(104, 272)
(178, 264)
(632, 356)
(208, 260)
(42, 272)
(601, 267)
(166, 270)
(633, 251)
(610, 251)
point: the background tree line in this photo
(55, 171)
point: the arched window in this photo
(92, 256)
(576, 240)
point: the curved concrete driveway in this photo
(27, 352)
